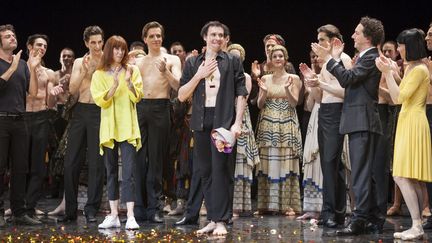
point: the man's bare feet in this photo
(290, 212)
(308, 215)
(220, 229)
(207, 229)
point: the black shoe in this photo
(340, 219)
(185, 221)
(90, 218)
(156, 219)
(330, 223)
(356, 227)
(373, 228)
(67, 219)
(26, 220)
(428, 224)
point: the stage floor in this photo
(244, 229)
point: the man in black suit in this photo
(360, 119)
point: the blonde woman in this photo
(279, 139)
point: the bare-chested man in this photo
(67, 58)
(160, 73)
(329, 139)
(178, 49)
(388, 122)
(388, 112)
(38, 118)
(84, 131)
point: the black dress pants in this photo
(84, 131)
(214, 168)
(38, 124)
(362, 147)
(14, 145)
(154, 122)
(330, 147)
(381, 166)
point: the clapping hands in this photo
(35, 58)
(262, 85)
(310, 77)
(383, 64)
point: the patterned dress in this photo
(280, 148)
(312, 173)
(247, 157)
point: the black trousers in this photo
(196, 195)
(154, 122)
(38, 124)
(392, 124)
(429, 184)
(330, 147)
(214, 169)
(84, 132)
(362, 146)
(381, 166)
(14, 144)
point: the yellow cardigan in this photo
(119, 120)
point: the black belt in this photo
(10, 115)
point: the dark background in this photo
(296, 21)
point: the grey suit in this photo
(361, 121)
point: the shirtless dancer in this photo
(67, 58)
(38, 117)
(160, 73)
(84, 131)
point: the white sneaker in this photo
(131, 224)
(110, 222)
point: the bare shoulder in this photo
(171, 58)
(78, 62)
(247, 76)
(143, 61)
(49, 71)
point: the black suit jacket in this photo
(361, 83)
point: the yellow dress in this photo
(119, 121)
(412, 151)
